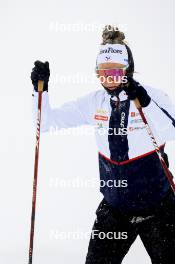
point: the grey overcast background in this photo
(67, 34)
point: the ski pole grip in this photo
(40, 85)
(137, 103)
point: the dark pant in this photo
(156, 230)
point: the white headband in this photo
(116, 53)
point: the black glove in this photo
(135, 90)
(41, 71)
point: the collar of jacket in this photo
(121, 95)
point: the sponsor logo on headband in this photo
(108, 58)
(110, 50)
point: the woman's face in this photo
(110, 81)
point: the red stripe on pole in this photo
(32, 228)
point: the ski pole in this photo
(40, 90)
(150, 133)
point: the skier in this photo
(144, 204)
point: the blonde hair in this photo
(112, 35)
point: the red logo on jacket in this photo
(101, 117)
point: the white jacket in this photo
(94, 109)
